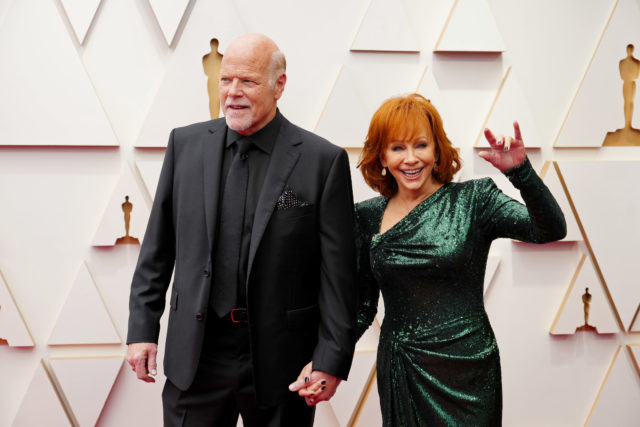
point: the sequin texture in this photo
(438, 360)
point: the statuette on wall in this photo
(586, 301)
(211, 64)
(629, 72)
(127, 207)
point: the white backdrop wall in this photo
(90, 89)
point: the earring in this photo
(383, 172)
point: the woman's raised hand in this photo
(506, 151)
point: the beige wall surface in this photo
(89, 91)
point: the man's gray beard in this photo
(244, 124)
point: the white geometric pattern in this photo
(12, 327)
(571, 314)
(386, 27)
(84, 318)
(510, 105)
(112, 225)
(471, 28)
(611, 223)
(169, 13)
(617, 401)
(181, 98)
(551, 178)
(55, 103)
(600, 91)
(150, 173)
(80, 14)
(147, 88)
(86, 383)
(40, 405)
(493, 261)
(344, 130)
(125, 60)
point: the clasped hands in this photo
(315, 386)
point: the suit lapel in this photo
(283, 159)
(212, 165)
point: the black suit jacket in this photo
(301, 292)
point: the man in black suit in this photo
(256, 215)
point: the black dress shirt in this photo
(258, 160)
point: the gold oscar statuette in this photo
(211, 63)
(127, 207)
(586, 302)
(629, 72)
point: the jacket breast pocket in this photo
(296, 213)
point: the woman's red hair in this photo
(398, 119)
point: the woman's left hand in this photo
(506, 151)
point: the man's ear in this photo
(279, 86)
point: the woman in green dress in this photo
(424, 244)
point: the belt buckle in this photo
(239, 315)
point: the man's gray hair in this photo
(277, 67)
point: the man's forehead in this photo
(253, 61)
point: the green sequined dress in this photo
(438, 361)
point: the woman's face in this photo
(410, 160)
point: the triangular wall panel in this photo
(361, 191)
(369, 411)
(549, 175)
(493, 261)
(611, 223)
(345, 130)
(324, 416)
(41, 405)
(125, 34)
(462, 97)
(169, 13)
(634, 352)
(150, 173)
(571, 314)
(386, 27)
(4, 6)
(112, 226)
(86, 383)
(635, 322)
(55, 102)
(510, 105)
(616, 403)
(369, 340)
(13, 329)
(598, 106)
(84, 318)
(80, 14)
(182, 97)
(350, 393)
(129, 396)
(471, 28)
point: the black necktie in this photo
(225, 278)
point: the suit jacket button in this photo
(206, 273)
(199, 316)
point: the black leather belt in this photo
(239, 315)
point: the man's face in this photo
(246, 98)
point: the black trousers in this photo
(223, 388)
